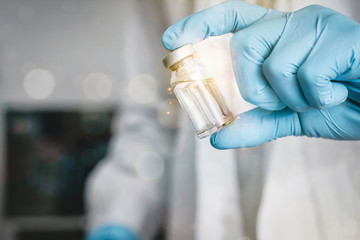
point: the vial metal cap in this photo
(177, 55)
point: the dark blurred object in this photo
(48, 157)
(54, 235)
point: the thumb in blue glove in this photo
(306, 61)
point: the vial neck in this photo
(177, 66)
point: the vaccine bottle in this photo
(197, 92)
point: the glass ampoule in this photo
(197, 93)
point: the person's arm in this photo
(301, 69)
(125, 194)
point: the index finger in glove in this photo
(229, 16)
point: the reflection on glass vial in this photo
(204, 105)
(197, 93)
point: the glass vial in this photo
(197, 92)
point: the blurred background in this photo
(60, 80)
(69, 69)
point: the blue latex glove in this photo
(111, 232)
(300, 68)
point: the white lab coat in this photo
(293, 188)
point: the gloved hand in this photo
(111, 232)
(301, 68)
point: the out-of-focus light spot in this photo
(128, 148)
(170, 102)
(97, 86)
(170, 90)
(167, 113)
(143, 89)
(238, 117)
(350, 228)
(149, 166)
(39, 83)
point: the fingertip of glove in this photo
(168, 40)
(213, 140)
(216, 141)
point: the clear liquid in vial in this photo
(204, 104)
